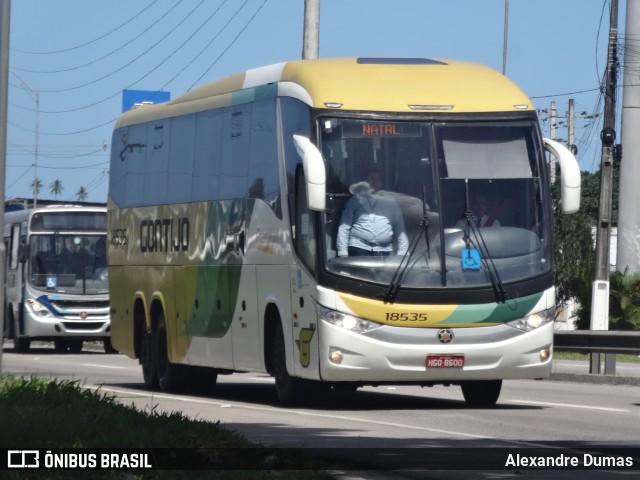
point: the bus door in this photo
(303, 287)
(14, 285)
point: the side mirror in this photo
(570, 178)
(314, 172)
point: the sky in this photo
(70, 61)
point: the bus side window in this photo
(16, 251)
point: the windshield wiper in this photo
(396, 280)
(486, 258)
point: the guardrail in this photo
(597, 341)
(609, 342)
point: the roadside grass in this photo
(44, 414)
(585, 357)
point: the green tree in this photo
(574, 255)
(624, 301)
(56, 188)
(581, 287)
(36, 186)
(82, 194)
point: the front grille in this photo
(90, 326)
(80, 304)
(81, 310)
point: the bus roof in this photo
(364, 84)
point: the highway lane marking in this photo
(103, 366)
(570, 405)
(156, 395)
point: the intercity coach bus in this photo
(225, 205)
(56, 285)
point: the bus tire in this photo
(481, 393)
(74, 345)
(108, 346)
(21, 344)
(167, 373)
(147, 359)
(289, 390)
(65, 345)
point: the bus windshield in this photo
(435, 203)
(68, 263)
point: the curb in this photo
(593, 378)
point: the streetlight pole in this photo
(5, 14)
(36, 97)
(506, 35)
(311, 27)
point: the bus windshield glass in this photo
(68, 263)
(435, 203)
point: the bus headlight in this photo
(534, 321)
(39, 309)
(348, 322)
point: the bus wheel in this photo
(481, 393)
(21, 345)
(75, 346)
(108, 347)
(60, 345)
(146, 360)
(289, 390)
(168, 373)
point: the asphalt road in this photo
(579, 412)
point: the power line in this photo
(567, 93)
(134, 17)
(229, 46)
(206, 46)
(154, 23)
(117, 70)
(157, 66)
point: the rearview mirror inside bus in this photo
(314, 172)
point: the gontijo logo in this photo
(23, 459)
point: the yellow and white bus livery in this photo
(224, 208)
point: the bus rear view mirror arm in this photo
(570, 177)
(314, 172)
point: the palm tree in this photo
(82, 194)
(624, 301)
(36, 186)
(56, 188)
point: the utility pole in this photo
(552, 121)
(600, 291)
(311, 33)
(628, 211)
(552, 136)
(571, 136)
(506, 36)
(5, 16)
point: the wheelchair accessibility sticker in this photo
(470, 259)
(52, 282)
